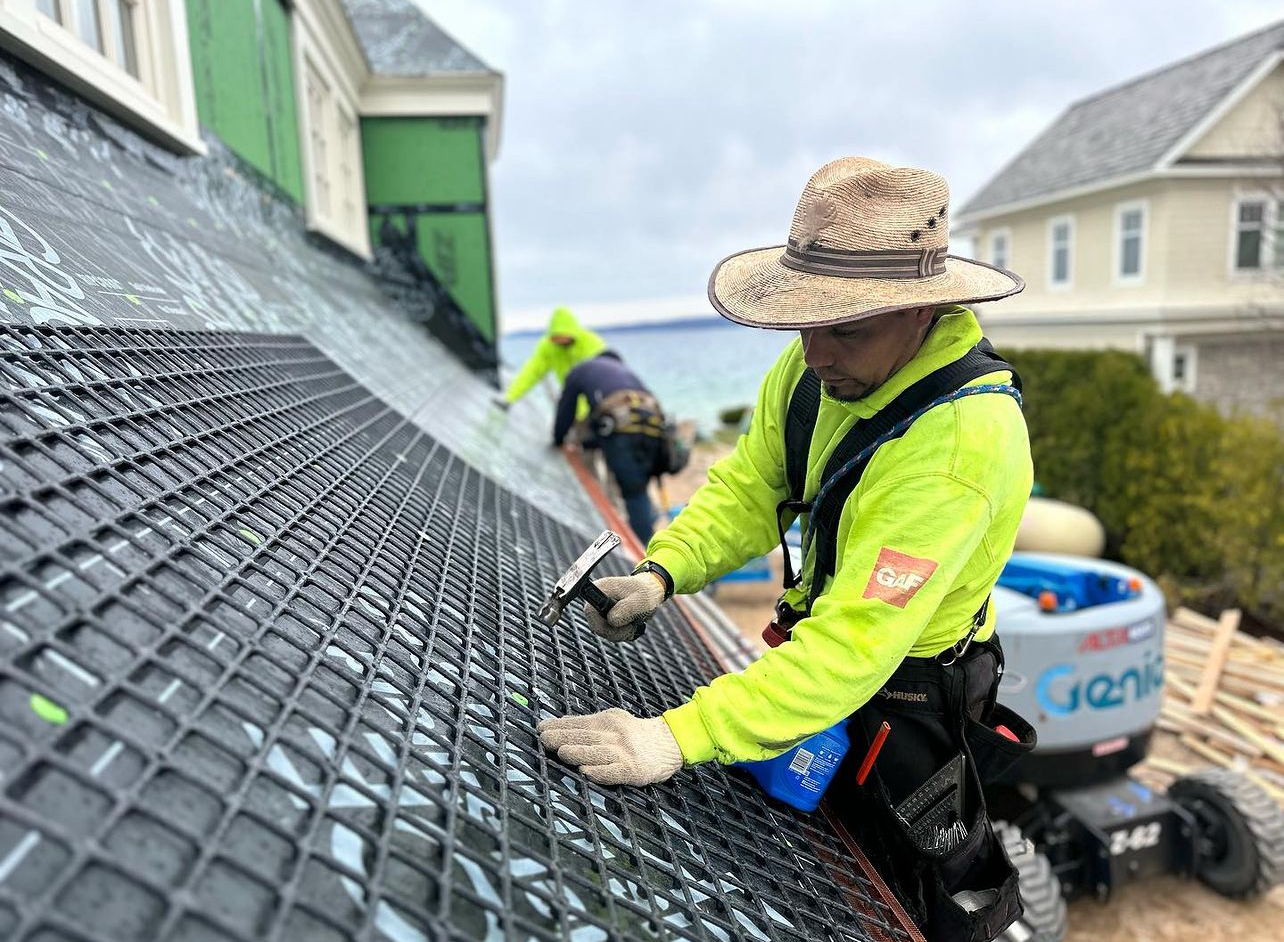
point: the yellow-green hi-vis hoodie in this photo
(921, 542)
(550, 357)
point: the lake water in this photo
(695, 368)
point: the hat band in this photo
(865, 264)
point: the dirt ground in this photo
(1159, 910)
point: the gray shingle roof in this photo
(398, 39)
(1128, 128)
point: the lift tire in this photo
(1044, 919)
(1251, 858)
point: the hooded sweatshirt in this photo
(550, 356)
(921, 542)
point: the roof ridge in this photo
(1178, 95)
(1187, 60)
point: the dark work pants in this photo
(631, 458)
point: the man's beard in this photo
(847, 394)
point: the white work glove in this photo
(614, 747)
(636, 599)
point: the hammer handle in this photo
(597, 598)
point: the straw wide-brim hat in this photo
(867, 238)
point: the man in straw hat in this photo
(897, 433)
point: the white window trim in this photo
(1270, 222)
(1119, 278)
(1068, 284)
(1006, 234)
(323, 41)
(161, 105)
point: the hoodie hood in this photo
(564, 322)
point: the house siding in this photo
(1201, 245)
(1189, 291)
(243, 72)
(1242, 376)
(426, 177)
(1093, 286)
(1186, 255)
(1254, 127)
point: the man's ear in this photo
(924, 316)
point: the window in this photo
(1184, 369)
(332, 71)
(350, 181)
(1130, 242)
(129, 56)
(999, 248)
(1259, 234)
(1061, 247)
(320, 104)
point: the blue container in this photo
(800, 776)
(1076, 587)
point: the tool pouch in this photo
(962, 889)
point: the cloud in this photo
(643, 142)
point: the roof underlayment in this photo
(268, 663)
(1127, 129)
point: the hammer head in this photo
(573, 583)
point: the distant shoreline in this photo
(682, 323)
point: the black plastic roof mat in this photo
(269, 670)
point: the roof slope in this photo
(268, 564)
(1128, 128)
(398, 39)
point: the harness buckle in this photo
(957, 649)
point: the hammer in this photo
(576, 582)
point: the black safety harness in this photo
(948, 734)
(851, 457)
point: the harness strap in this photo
(827, 506)
(849, 459)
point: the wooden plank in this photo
(1170, 766)
(1189, 618)
(1208, 752)
(1227, 625)
(1179, 721)
(1180, 686)
(1270, 745)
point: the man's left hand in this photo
(614, 747)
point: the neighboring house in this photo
(1148, 218)
(362, 113)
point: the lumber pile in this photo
(1224, 700)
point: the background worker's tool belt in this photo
(628, 411)
(943, 714)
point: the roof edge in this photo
(1237, 94)
(1178, 63)
(1227, 168)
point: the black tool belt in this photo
(921, 814)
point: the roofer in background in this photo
(563, 345)
(625, 422)
(889, 618)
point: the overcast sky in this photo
(644, 141)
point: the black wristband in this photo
(647, 566)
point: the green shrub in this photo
(733, 416)
(1186, 495)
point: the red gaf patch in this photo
(896, 577)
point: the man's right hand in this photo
(636, 599)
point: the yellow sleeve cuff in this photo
(675, 564)
(687, 726)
